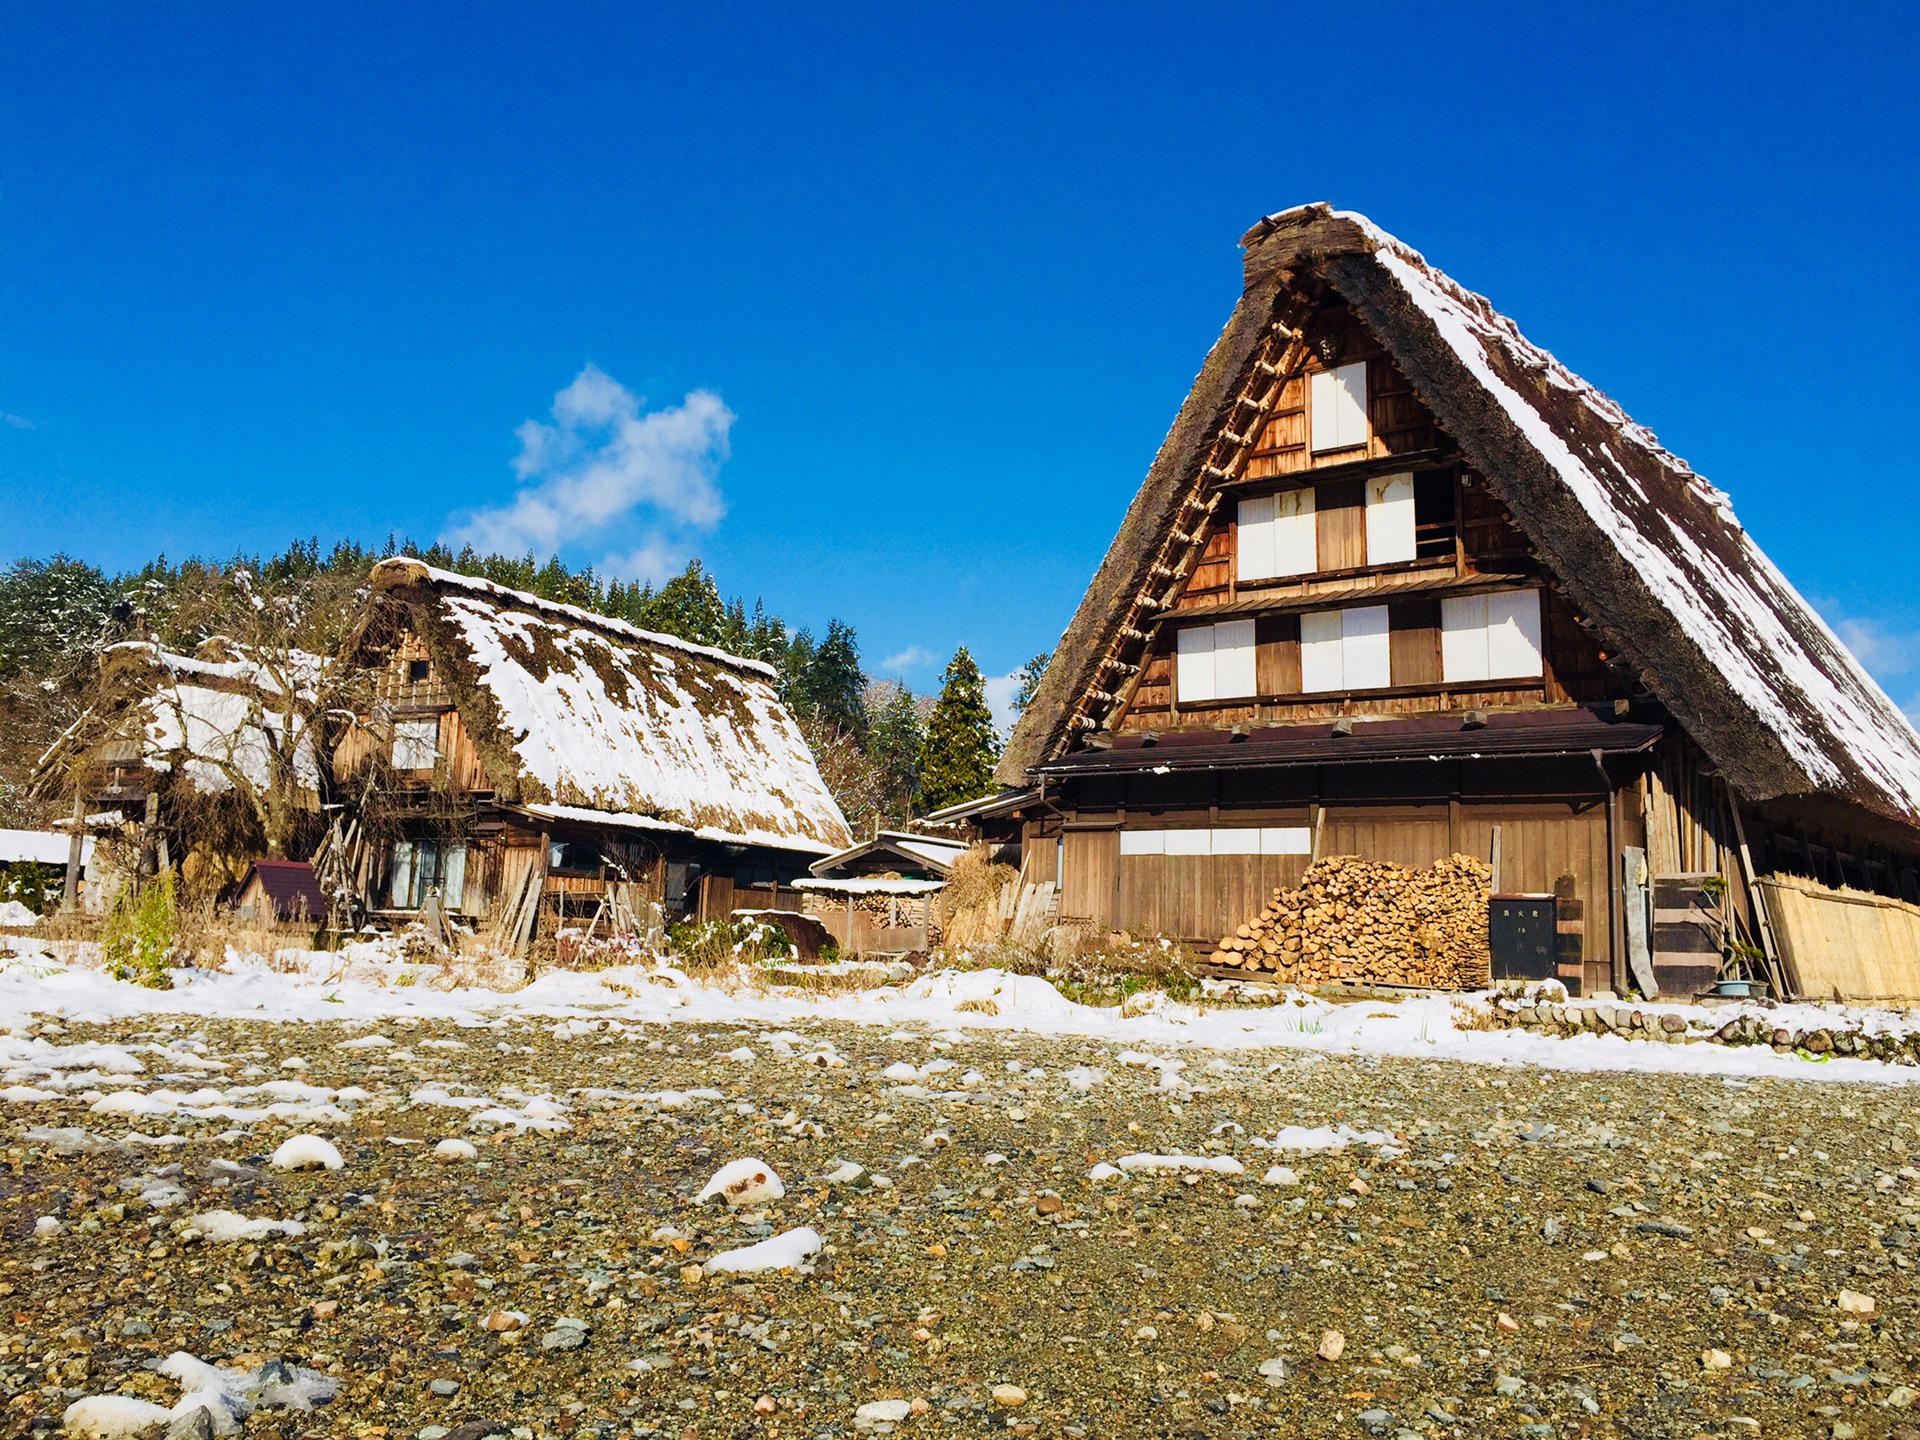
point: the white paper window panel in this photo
(1490, 637)
(1268, 840)
(1366, 648)
(1236, 842)
(1513, 634)
(1253, 540)
(1346, 649)
(1321, 667)
(402, 888)
(1215, 662)
(1188, 842)
(1278, 536)
(1193, 664)
(1339, 407)
(1390, 519)
(1286, 840)
(415, 744)
(1463, 638)
(1233, 660)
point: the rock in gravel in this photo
(1860, 1307)
(568, 1334)
(743, 1182)
(889, 1412)
(306, 1152)
(445, 1389)
(1009, 1397)
(1332, 1345)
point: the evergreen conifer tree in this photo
(689, 605)
(958, 761)
(896, 736)
(832, 689)
(1029, 674)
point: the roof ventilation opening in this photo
(1343, 727)
(1239, 733)
(1099, 741)
(1149, 737)
(1474, 720)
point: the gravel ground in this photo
(1551, 1255)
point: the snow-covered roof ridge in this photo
(588, 719)
(404, 569)
(243, 671)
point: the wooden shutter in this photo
(1513, 634)
(1321, 667)
(1366, 648)
(1463, 639)
(1193, 665)
(1277, 655)
(1233, 660)
(1416, 641)
(1390, 529)
(1341, 525)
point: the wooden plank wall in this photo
(1089, 886)
(1200, 898)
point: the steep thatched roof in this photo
(1651, 552)
(588, 717)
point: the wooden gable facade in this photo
(1340, 620)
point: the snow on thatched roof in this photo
(1647, 549)
(220, 719)
(602, 719)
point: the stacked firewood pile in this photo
(1372, 923)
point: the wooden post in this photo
(76, 847)
(1493, 861)
(1776, 972)
(1616, 909)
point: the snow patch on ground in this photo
(1436, 1027)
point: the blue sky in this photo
(883, 311)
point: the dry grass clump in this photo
(968, 909)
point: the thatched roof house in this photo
(514, 724)
(574, 711)
(1681, 596)
(1370, 452)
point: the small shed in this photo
(281, 892)
(876, 897)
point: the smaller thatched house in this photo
(535, 766)
(877, 897)
(201, 760)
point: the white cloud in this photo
(914, 657)
(605, 466)
(1885, 651)
(1000, 692)
(1881, 650)
(18, 422)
